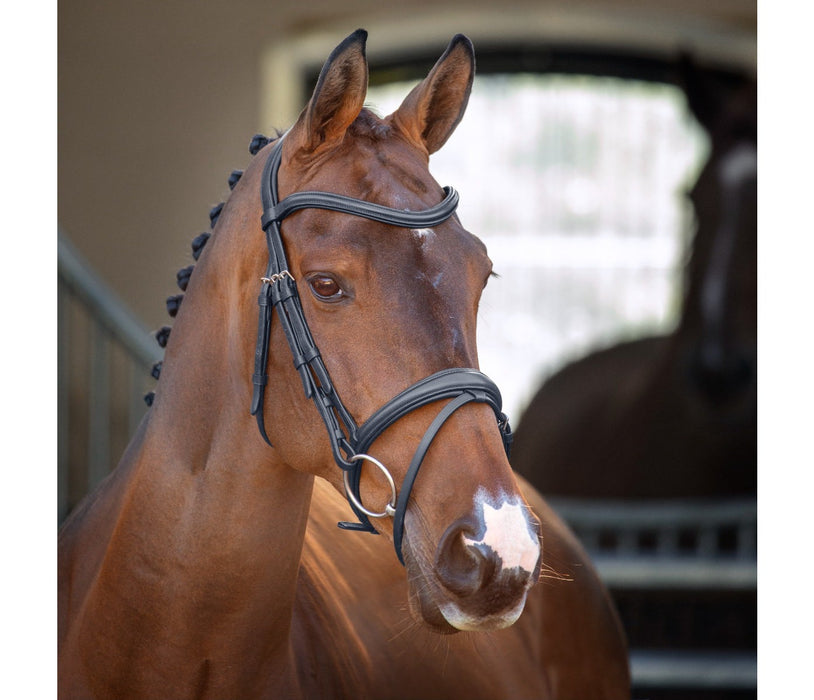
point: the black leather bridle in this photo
(349, 442)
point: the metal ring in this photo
(390, 508)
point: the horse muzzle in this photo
(482, 570)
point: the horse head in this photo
(722, 271)
(387, 306)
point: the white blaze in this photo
(738, 164)
(423, 234)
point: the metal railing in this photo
(686, 547)
(104, 359)
(672, 544)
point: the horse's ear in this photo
(338, 97)
(703, 99)
(430, 113)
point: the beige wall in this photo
(158, 99)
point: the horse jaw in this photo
(481, 571)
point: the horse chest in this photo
(352, 634)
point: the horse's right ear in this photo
(338, 97)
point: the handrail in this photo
(693, 670)
(103, 304)
(675, 512)
(675, 573)
(84, 460)
(686, 529)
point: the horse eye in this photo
(325, 288)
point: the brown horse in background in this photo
(209, 564)
(671, 416)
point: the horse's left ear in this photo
(338, 97)
(430, 113)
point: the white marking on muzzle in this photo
(508, 533)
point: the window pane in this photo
(576, 185)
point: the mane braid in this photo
(233, 178)
(173, 304)
(214, 214)
(198, 244)
(162, 336)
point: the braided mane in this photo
(162, 335)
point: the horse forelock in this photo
(369, 125)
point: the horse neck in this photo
(226, 519)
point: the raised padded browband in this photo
(368, 210)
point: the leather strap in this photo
(463, 386)
(445, 384)
(367, 210)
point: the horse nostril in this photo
(462, 567)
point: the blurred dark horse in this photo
(671, 416)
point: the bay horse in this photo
(671, 416)
(209, 563)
